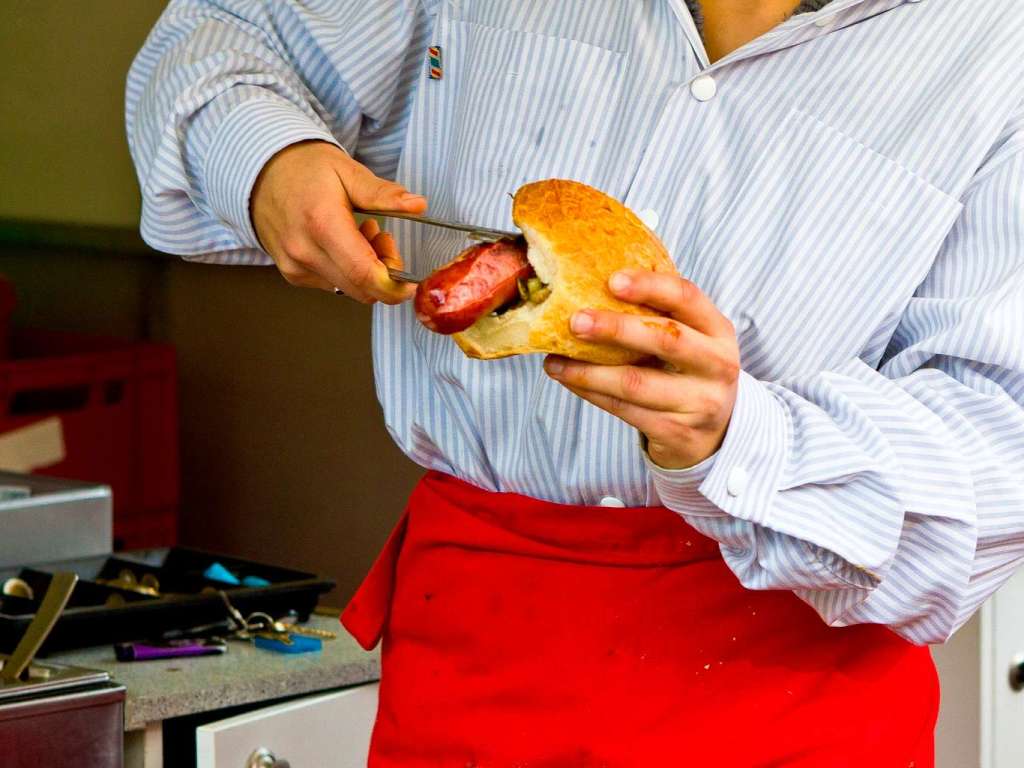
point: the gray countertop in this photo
(158, 690)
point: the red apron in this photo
(517, 632)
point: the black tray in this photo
(88, 620)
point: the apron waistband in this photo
(634, 536)
(652, 537)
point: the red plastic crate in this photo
(8, 301)
(118, 406)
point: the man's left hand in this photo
(683, 402)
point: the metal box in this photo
(58, 520)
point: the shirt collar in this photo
(789, 32)
(806, 6)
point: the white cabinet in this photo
(327, 731)
(981, 723)
(1002, 708)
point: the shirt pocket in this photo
(820, 249)
(519, 106)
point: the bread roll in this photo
(577, 238)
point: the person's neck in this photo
(731, 24)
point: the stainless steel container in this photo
(57, 520)
(62, 716)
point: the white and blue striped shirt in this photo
(848, 188)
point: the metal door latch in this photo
(264, 758)
(1017, 672)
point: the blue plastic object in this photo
(299, 644)
(217, 572)
(255, 581)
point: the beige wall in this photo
(958, 735)
(283, 452)
(63, 65)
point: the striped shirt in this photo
(848, 188)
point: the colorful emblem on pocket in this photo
(434, 62)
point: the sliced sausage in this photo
(482, 279)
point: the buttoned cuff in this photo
(741, 478)
(679, 489)
(249, 136)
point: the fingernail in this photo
(555, 367)
(620, 282)
(582, 322)
(409, 197)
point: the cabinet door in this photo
(1002, 707)
(328, 731)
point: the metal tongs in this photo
(62, 584)
(473, 232)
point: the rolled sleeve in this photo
(741, 497)
(249, 136)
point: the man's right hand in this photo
(301, 208)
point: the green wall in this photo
(63, 154)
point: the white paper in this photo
(33, 447)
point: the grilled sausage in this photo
(482, 279)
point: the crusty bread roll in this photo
(577, 238)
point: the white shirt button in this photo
(825, 22)
(704, 88)
(650, 217)
(736, 482)
(611, 501)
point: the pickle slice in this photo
(536, 290)
(540, 294)
(531, 291)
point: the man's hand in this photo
(683, 406)
(302, 212)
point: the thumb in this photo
(372, 193)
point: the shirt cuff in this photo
(742, 481)
(248, 137)
(741, 478)
(678, 489)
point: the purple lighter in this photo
(171, 649)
